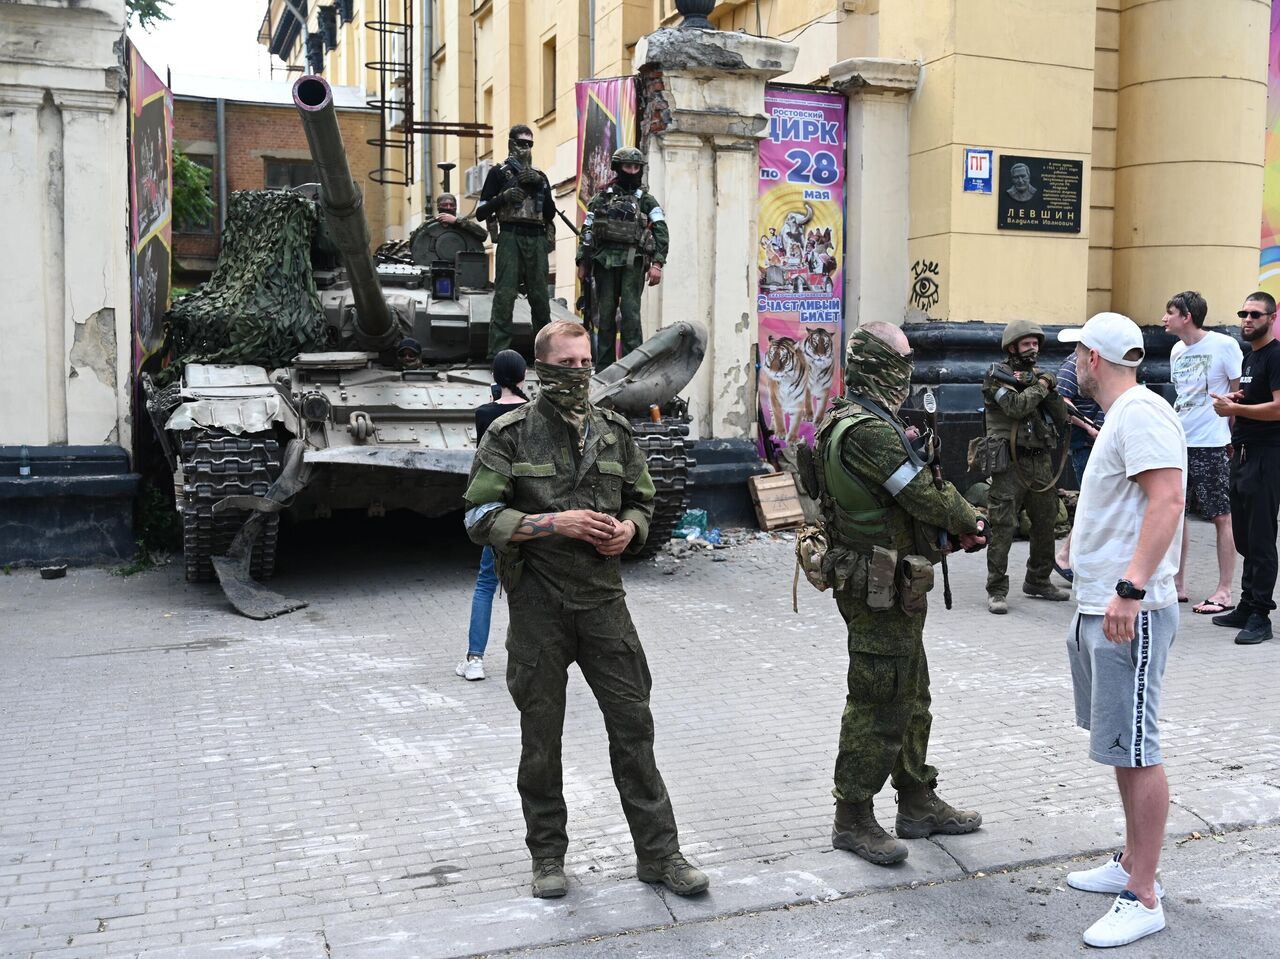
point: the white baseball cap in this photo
(1112, 335)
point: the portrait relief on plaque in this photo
(1039, 193)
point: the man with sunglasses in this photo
(1255, 469)
(518, 195)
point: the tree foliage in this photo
(192, 203)
(147, 12)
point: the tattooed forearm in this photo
(535, 526)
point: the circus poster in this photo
(151, 206)
(800, 260)
(606, 121)
(1269, 268)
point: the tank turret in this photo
(340, 199)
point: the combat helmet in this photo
(626, 155)
(1017, 330)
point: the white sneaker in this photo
(1110, 877)
(471, 669)
(1128, 920)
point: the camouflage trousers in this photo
(618, 286)
(884, 731)
(1009, 496)
(521, 260)
(542, 641)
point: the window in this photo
(287, 174)
(486, 114)
(206, 225)
(549, 75)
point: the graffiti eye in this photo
(925, 288)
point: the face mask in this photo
(877, 371)
(629, 181)
(521, 151)
(566, 389)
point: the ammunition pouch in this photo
(882, 570)
(915, 580)
(988, 455)
(617, 232)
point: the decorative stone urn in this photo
(695, 14)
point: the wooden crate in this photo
(776, 500)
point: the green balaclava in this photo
(566, 389)
(874, 369)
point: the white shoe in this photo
(1128, 920)
(471, 669)
(1110, 877)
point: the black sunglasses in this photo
(1253, 314)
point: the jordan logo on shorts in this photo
(1117, 744)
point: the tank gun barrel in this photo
(344, 211)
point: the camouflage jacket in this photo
(611, 255)
(1038, 411)
(873, 452)
(528, 463)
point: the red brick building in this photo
(262, 144)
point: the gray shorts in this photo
(1117, 686)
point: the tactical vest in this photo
(1035, 431)
(528, 213)
(855, 515)
(621, 222)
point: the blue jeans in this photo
(482, 604)
(1079, 457)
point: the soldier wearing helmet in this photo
(518, 196)
(1025, 421)
(624, 242)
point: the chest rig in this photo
(621, 223)
(528, 213)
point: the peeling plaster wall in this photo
(64, 258)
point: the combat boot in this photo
(1046, 591)
(548, 878)
(997, 605)
(675, 872)
(856, 830)
(922, 812)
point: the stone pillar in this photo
(704, 118)
(877, 213)
(1189, 154)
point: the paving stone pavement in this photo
(178, 781)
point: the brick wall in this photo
(257, 133)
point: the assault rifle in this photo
(944, 540)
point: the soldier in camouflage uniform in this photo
(623, 243)
(1024, 411)
(518, 195)
(560, 490)
(882, 513)
(447, 215)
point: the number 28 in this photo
(819, 167)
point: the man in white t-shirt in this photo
(1124, 552)
(1201, 364)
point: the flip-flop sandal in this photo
(1217, 608)
(1066, 572)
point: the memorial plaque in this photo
(1039, 193)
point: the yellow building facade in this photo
(1162, 102)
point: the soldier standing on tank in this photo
(518, 195)
(882, 512)
(623, 243)
(560, 490)
(1025, 419)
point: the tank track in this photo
(215, 465)
(664, 447)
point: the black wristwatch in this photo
(1126, 590)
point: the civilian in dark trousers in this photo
(1255, 470)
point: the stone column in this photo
(1189, 155)
(704, 118)
(877, 211)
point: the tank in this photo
(379, 415)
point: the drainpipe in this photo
(428, 40)
(221, 110)
(591, 38)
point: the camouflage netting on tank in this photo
(260, 306)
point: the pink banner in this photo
(606, 121)
(151, 204)
(800, 302)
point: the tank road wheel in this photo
(216, 465)
(663, 445)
